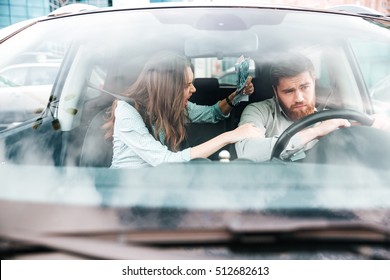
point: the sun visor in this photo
(221, 44)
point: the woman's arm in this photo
(132, 132)
(217, 112)
(209, 147)
(224, 105)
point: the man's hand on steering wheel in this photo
(330, 121)
(381, 122)
(325, 128)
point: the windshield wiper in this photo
(268, 230)
(306, 229)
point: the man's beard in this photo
(295, 114)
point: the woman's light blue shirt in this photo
(135, 147)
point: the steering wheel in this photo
(311, 119)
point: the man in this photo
(293, 82)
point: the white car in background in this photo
(25, 90)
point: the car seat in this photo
(96, 150)
(207, 93)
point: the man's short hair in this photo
(289, 65)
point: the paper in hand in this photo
(242, 71)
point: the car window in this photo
(31, 74)
(374, 63)
(16, 76)
(28, 73)
(222, 69)
(44, 75)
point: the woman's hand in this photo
(249, 88)
(209, 147)
(248, 130)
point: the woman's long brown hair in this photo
(158, 95)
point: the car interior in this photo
(93, 74)
(87, 145)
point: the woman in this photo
(151, 130)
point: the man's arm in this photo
(321, 129)
(258, 149)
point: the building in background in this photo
(13, 11)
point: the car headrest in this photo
(207, 91)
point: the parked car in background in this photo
(59, 198)
(25, 90)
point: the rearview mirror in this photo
(221, 44)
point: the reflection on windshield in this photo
(49, 185)
(298, 186)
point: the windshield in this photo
(61, 159)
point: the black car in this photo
(59, 198)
